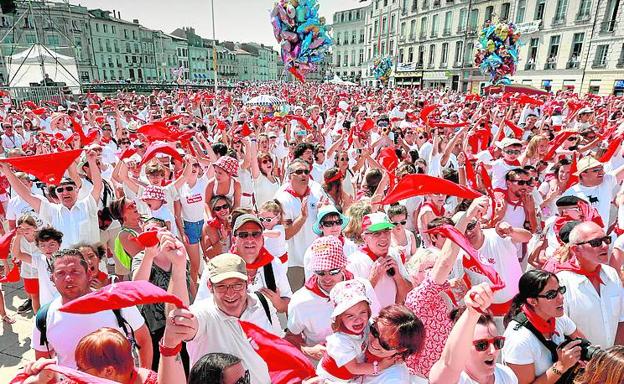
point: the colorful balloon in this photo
(497, 52)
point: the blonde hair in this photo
(356, 213)
(535, 141)
(422, 256)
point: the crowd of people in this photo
(337, 225)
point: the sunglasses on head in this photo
(218, 208)
(331, 223)
(331, 272)
(375, 333)
(484, 344)
(302, 172)
(550, 295)
(67, 188)
(595, 243)
(244, 235)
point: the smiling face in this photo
(330, 225)
(91, 258)
(266, 165)
(28, 231)
(48, 247)
(67, 194)
(593, 176)
(220, 175)
(590, 257)
(70, 277)
(481, 363)
(221, 209)
(249, 247)
(378, 242)
(355, 319)
(228, 297)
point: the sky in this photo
(235, 20)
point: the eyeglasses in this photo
(572, 138)
(301, 172)
(403, 222)
(521, 182)
(246, 379)
(595, 170)
(331, 223)
(343, 159)
(267, 161)
(471, 225)
(483, 344)
(513, 152)
(550, 295)
(266, 219)
(221, 207)
(331, 272)
(244, 235)
(68, 188)
(375, 333)
(223, 288)
(595, 243)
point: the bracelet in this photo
(168, 351)
(375, 368)
(556, 371)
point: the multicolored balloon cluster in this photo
(302, 35)
(382, 68)
(497, 55)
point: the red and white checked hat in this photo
(228, 164)
(327, 254)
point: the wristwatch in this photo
(556, 371)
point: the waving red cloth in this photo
(121, 295)
(471, 176)
(450, 125)
(558, 140)
(614, 145)
(286, 363)
(148, 239)
(48, 168)
(573, 265)
(13, 276)
(155, 148)
(479, 140)
(426, 111)
(390, 161)
(84, 140)
(297, 74)
(39, 111)
(525, 99)
(573, 179)
(301, 120)
(420, 184)
(471, 262)
(517, 131)
(76, 377)
(5, 244)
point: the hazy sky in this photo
(235, 20)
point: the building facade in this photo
(381, 35)
(348, 30)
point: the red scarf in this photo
(370, 253)
(546, 327)
(264, 258)
(515, 163)
(312, 284)
(438, 212)
(572, 265)
(290, 190)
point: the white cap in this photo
(507, 141)
(345, 295)
(343, 105)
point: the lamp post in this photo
(214, 47)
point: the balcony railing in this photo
(558, 21)
(599, 64)
(457, 64)
(446, 32)
(419, 65)
(620, 63)
(550, 66)
(472, 31)
(412, 37)
(423, 36)
(430, 66)
(434, 34)
(582, 18)
(573, 64)
(529, 66)
(608, 26)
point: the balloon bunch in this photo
(382, 68)
(302, 35)
(497, 55)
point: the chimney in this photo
(135, 21)
(118, 14)
(114, 14)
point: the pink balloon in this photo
(316, 43)
(290, 36)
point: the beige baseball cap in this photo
(226, 266)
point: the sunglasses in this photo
(301, 172)
(522, 182)
(572, 138)
(331, 272)
(471, 225)
(483, 344)
(68, 188)
(595, 243)
(331, 223)
(221, 207)
(343, 159)
(550, 295)
(244, 235)
(267, 161)
(513, 152)
(403, 222)
(266, 219)
(125, 142)
(375, 333)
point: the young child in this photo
(154, 197)
(274, 233)
(343, 359)
(25, 242)
(401, 238)
(93, 254)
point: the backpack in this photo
(41, 319)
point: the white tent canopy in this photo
(25, 67)
(338, 80)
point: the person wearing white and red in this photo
(299, 199)
(511, 150)
(382, 265)
(309, 310)
(431, 209)
(594, 298)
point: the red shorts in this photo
(31, 286)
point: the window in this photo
(384, 24)
(361, 57)
(353, 57)
(560, 11)
(504, 15)
(53, 40)
(608, 25)
(338, 60)
(520, 10)
(31, 39)
(434, 25)
(489, 11)
(353, 37)
(402, 30)
(383, 48)
(361, 36)
(401, 55)
(97, 27)
(539, 9)
(100, 45)
(412, 29)
(468, 54)
(444, 58)
(474, 19)
(421, 55)
(448, 21)
(584, 10)
(459, 46)
(577, 44)
(392, 22)
(410, 54)
(345, 60)
(375, 28)
(600, 60)
(463, 18)
(553, 50)
(423, 26)
(105, 28)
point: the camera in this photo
(588, 350)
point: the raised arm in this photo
(96, 175)
(21, 189)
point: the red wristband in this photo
(168, 351)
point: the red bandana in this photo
(370, 253)
(312, 284)
(546, 327)
(438, 212)
(572, 265)
(515, 163)
(264, 258)
(290, 190)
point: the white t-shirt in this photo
(396, 374)
(276, 245)
(498, 172)
(502, 375)
(264, 190)
(523, 348)
(597, 316)
(342, 348)
(192, 200)
(17, 207)
(64, 330)
(78, 224)
(47, 289)
(600, 196)
(27, 270)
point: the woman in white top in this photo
(263, 172)
(223, 182)
(472, 348)
(431, 209)
(539, 304)
(552, 189)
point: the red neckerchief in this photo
(370, 253)
(290, 190)
(503, 192)
(515, 163)
(312, 284)
(370, 358)
(546, 327)
(263, 258)
(572, 265)
(215, 223)
(438, 212)
(105, 140)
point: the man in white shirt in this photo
(77, 219)
(594, 297)
(70, 275)
(11, 139)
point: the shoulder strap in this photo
(269, 277)
(549, 344)
(125, 326)
(265, 306)
(41, 320)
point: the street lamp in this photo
(214, 47)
